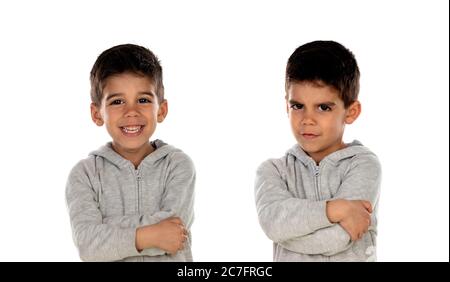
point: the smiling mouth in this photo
(132, 129)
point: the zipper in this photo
(138, 186)
(316, 181)
(137, 173)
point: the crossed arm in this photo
(101, 238)
(318, 227)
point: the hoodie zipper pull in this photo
(316, 181)
(138, 175)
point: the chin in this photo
(310, 148)
(132, 145)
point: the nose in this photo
(308, 118)
(131, 110)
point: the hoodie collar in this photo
(352, 149)
(161, 150)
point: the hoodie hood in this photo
(354, 148)
(162, 149)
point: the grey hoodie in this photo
(291, 195)
(108, 199)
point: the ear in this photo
(96, 115)
(162, 111)
(352, 112)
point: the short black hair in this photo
(125, 58)
(325, 62)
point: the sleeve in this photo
(179, 194)
(361, 182)
(281, 215)
(177, 200)
(134, 221)
(95, 240)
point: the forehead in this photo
(310, 91)
(128, 83)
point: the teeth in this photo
(131, 129)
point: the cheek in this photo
(148, 109)
(293, 120)
(294, 116)
(111, 115)
(152, 113)
(334, 126)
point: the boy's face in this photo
(318, 117)
(130, 109)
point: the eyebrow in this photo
(149, 93)
(110, 96)
(113, 95)
(328, 103)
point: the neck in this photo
(134, 155)
(320, 155)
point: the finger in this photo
(366, 220)
(368, 206)
(182, 229)
(181, 246)
(182, 242)
(176, 220)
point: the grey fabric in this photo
(291, 194)
(107, 199)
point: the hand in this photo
(172, 235)
(169, 235)
(352, 215)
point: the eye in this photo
(144, 100)
(297, 107)
(324, 108)
(116, 102)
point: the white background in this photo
(223, 67)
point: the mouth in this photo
(309, 136)
(132, 130)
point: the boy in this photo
(319, 201)
(132, 199)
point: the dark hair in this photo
(325, 62)
(125, 58)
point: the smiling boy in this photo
(132, 199)
(319, 202)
